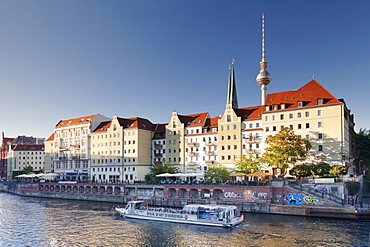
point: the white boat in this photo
(209, 215)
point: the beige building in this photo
(22, 156)
(121, 149)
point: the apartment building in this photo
(121, 149)
(70, 145)
(21, 156)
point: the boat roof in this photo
(209, 206)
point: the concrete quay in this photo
(271, 199)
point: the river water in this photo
(28, 221)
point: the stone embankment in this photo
(272, 199)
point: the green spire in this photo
(232, 98)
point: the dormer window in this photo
(300, 103)
(282, 106)
(275, 107)
(319, 101)
(267, 108)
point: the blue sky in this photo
(68, 59)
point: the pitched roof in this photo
(193, 120)
(249, 113)
(103, 126)
(19, 147)
(308, 95)
(51, 137)
(72, 121)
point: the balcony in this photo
(192, 154)
(210, 153)
(250, 139)
(158, 146)
(76, 157)
(63, 148)
(158, 155)
(76, 146)
(63, 157)
(250, 150)
(209, 162)
(210, 143)
(192, 144)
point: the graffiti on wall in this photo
(300, 199)
(247, 194)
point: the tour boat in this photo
(209, 215)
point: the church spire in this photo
(263, 78)
(232, 98)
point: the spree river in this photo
(28, 221)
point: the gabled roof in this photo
(309, 95)
(72, 121)
(103, 126)
(19, 147)
(51, 137)
(249, 113)
(193, 120)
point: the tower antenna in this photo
(263, 78)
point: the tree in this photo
(247, 164)
(362, 147)
(338, 170)
(217, 172)
(320, 169)
(28, 169)
(285, 148)
(160, 168)
(301, 171)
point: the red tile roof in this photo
(79, 120)
(51, 138)
(308, 95)
(194, 120)
(249, 113)
(19, 147)
(103, 126)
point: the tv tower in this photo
(263, 78)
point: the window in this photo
(257, 125)
(307, 137)
(299, 115)
(300, 103)
(266, 118)
(273, 128)
(299, 126)
(319, 112)
(320, 148)
(307, 114)
(228, 118)
(250, 125)
(273, 118)
(291, 126)
(290, 115)
(281, 116)
(320, 136)
(222, 127)
(228, 147)
(307, 125)
(319, 101)
(267, 129)
(319, 125)
(235, 126)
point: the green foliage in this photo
(285, 148)
(247, 164)
(362, 147)
(320, 169)
(160, 168)
(28, 169)
(301, 171)
(353, 187)
(338, 170)
(217, 172)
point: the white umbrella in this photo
(194, 174)
(165, 175)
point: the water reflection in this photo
(27, 221)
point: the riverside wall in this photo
(275, 199)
